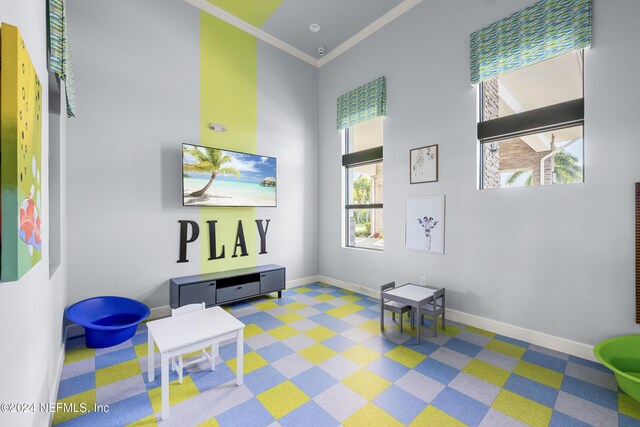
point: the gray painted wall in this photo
(32, 308)
(559, 260)
(288, 130)
(138, 94)
(137, 86)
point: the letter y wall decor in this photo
(20, 157)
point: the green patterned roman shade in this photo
(59, 53)
(548, 28)
(364, 103)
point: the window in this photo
(531, 125)
(362, 164)
(359, 117)
(529, 67)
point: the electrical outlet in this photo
(423, 280)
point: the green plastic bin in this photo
(622, 356)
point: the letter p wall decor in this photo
(20, 157)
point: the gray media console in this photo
(227, 286)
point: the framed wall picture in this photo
(424, 224)
(21, 181)
(423, 163)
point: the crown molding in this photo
(231, 19)
(397, 11)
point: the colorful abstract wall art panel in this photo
(20, 157)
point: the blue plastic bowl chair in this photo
(108, 320)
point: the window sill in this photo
(52, 269)
(363, 249)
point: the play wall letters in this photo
(240, 244)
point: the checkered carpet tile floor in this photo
(316, 357)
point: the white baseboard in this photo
(55, 382)
(302, 281)
(160, 312)
(541, 339)
(74, 330)
(349, 286)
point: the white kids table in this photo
(191, 332)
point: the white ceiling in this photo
(343, 24)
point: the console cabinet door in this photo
(271, 281)
(197, 293)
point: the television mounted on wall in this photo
(217, 177)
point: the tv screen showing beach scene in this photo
(216, 177)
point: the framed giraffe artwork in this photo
(423, 164)
(21, 179)
(424, 223)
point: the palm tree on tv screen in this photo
(212, 161)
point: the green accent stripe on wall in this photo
(251, 11)
(228, 96)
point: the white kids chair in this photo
(178, 364)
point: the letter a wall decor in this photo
(20, 157)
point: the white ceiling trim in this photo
(229, 18)
(369, 30)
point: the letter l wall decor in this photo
(20, 157)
